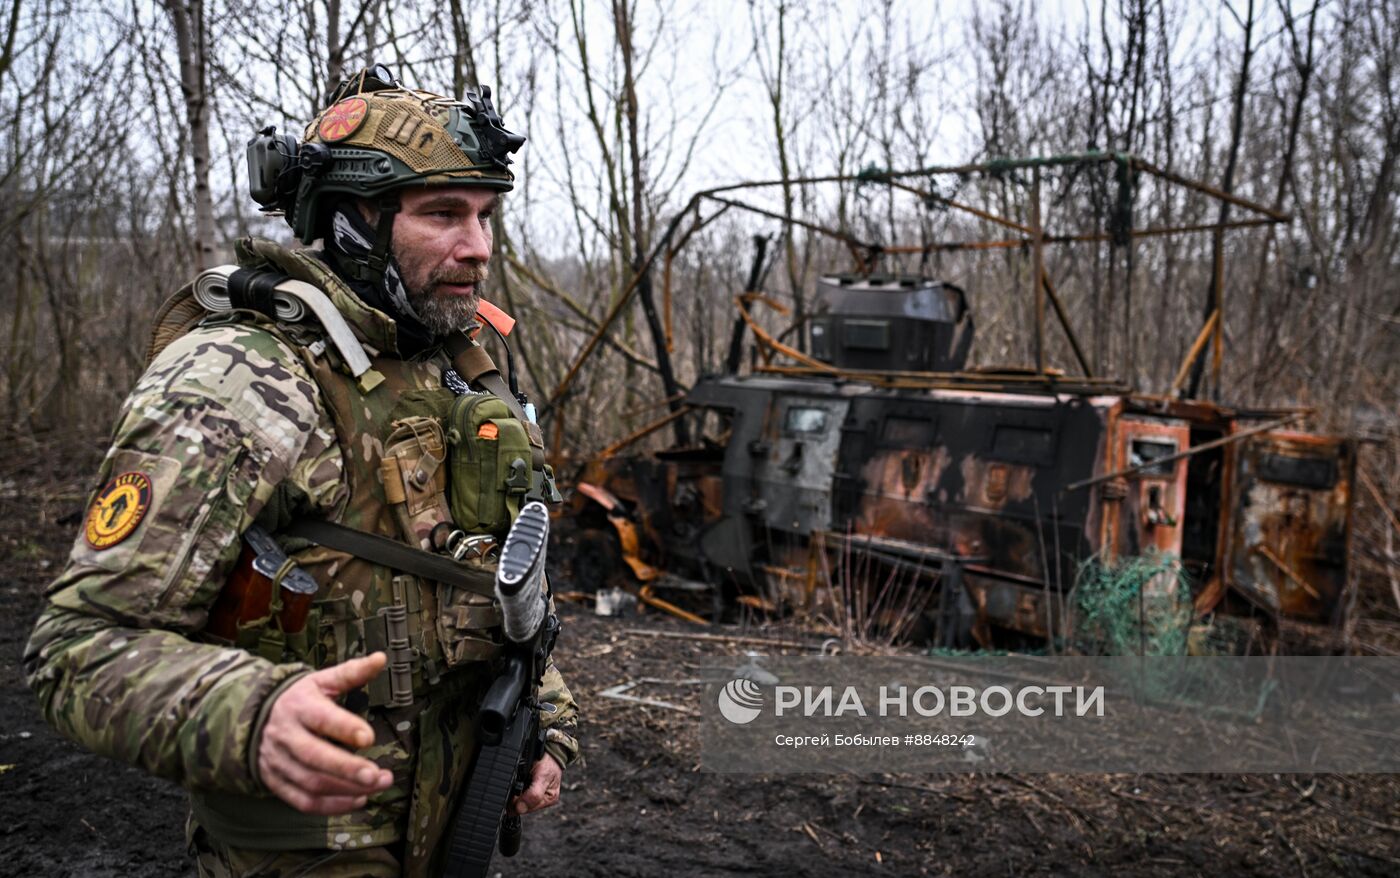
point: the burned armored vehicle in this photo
(983, 492)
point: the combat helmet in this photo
(374, 137)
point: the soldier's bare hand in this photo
(543, 791)
(297, 759)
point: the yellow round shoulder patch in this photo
(118, 510)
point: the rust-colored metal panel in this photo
(1154, 502)
(1292, 524)
(898, 482)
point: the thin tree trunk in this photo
(1303, 66)
(1215, 295)
(623, 25)
(192, 47)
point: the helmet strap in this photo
(372, 267)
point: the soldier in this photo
(245, 420)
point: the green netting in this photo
(1134, 606)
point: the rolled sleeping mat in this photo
(292, 302)
(211, 291)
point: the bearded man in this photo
(313, 442)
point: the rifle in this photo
(509, 720)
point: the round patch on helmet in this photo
(117, 510)
(343, 120)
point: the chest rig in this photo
(433, 481)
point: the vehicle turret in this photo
(902, 323)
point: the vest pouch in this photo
(468, 624)
(512, 461)
(413, 470)
(489, 454)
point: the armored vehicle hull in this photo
(992, 498)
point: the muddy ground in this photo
(643, 805)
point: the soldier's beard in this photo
(441, 313)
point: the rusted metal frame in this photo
(1193, 450)
(902, 549)
(1196, 347)
(955, 381)
(1158, 231)
(1038, 271)
(1003, 576)
(1001, 166)
(1277, 216)
(1109, 509)
(954, 246)
(1000, 378)
(1087, 238)
(765, 350)
(966, 208)
(1063, 316)
(994, 167)
(858, 247)
(1267, 215)
(769, 341)
(643, 432)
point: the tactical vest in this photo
(402, 437)
(363, 607)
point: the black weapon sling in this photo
(393, 554)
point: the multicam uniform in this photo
(239, 422)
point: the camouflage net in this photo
(1134, 606)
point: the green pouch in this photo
(489, 464)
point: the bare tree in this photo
(1214, 297)
(192, 45)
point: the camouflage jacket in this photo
(228, 426)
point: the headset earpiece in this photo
(272, 159)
